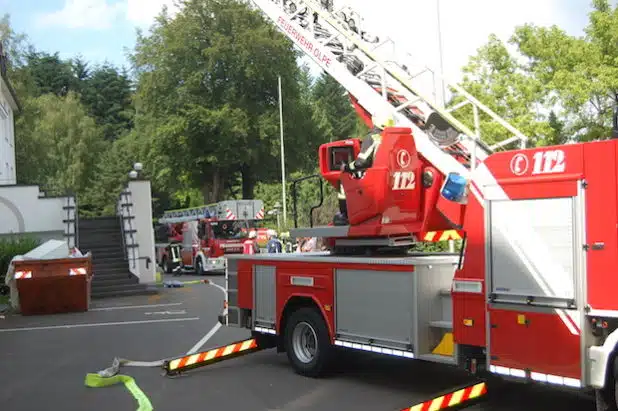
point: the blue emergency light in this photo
(454, 188)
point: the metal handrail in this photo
(68, 223)
(131, 234)
(76, 224)
(294, 198)
(120, 212)
(125, 246)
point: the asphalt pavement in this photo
(44, 359)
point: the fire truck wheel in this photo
(607, 399)
(199, 267)
(307, 342)
(167, 269)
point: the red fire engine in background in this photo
(530, 297)
(199, 238)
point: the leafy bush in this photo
(9, 248)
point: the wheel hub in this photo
(304, 342)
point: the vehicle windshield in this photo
(229, 230)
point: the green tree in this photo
(208, 80)
(15, 44)
(333, 113)
(50, 73)
(107, 95)
(555, 87)
(307, 196)
(57, 144)
(580, 72)
(504, 84)
(111, 174)
(81, 72)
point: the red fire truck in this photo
(530, 297)
(199, 238)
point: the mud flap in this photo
(453, 399)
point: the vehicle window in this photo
(228, 230)
(202, 231)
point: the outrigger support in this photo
(179, 365)
(460, 398)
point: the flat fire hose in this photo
(109, 376)
(97, 381)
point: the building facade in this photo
(8, 107)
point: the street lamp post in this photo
(442, 85)
(277, 212)
(137, 167)
(277, 207)
(284, 195)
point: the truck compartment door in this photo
(531, 249)
(534, 289)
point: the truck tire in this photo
(307, 342)
(167, 269)
(606, 399)
(199, 266)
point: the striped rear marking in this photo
(442, 235)
(211, 354)
(23, 274)
(77, 271)
(451, 399)
(229, 214)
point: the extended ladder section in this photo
(188, 214)
(224, 210)
(370, 69)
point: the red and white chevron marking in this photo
(229, 215)
(210, 355)
(452, 399)
(23, 274)
(77, 271)
(260, 214)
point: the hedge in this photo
(9, 248)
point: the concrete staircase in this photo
(103, 237)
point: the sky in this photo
(103, 30)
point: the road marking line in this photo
(214, 329)
(204, 339)
(52, 327)
(166, 312)
(126, 307)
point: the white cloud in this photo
(102, 14)
(142, 12)
(93, 14)
(466, 25)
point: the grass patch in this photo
(4, 299)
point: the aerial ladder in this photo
(370, 69)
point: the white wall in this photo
(140, 199)
(23, 210)
(7, 136)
